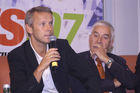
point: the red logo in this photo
(15, 28)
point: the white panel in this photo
(125, 21)
(139, 24)
(108, 10)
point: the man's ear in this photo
(28, 29)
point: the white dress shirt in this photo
(49, 86)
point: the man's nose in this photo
(99, 39)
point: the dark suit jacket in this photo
(118, 70)
(22, 62)
(137, 73)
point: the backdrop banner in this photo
(73, 20)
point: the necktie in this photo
(101, 70)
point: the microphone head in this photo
(52, 38)
(52, 43)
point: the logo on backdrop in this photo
(71, 22)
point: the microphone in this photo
(52, 44)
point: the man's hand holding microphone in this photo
(51, 58)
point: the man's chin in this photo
(46, 42)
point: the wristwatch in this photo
(109, 61)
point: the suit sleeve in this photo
(122, 73)
(107, 85)
(81, 70)
(21, 81)
(137, 73)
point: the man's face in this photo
(42, 27)
(100, 36)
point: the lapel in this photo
(30, 57)
(91, 62)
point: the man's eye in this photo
(95, 35)
(50, 23)
(106, 37)
(43, 23)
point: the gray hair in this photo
(30, 13)
(105, 23)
